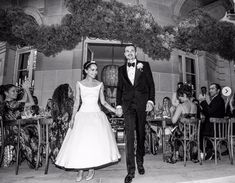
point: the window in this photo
(25, 66)
(187, 70)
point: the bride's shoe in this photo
(79, 176)
(90, 174)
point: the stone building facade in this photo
(47, 73)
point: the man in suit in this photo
(135, 97)
(216, 108)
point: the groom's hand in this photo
(119, 111)
(149, 106)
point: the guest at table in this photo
(175, 101)
(48, 107)
(216, 109)
(204, 94)
(186, 108)
(62, 108)
(167, 109)
(13, 109)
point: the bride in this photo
(89, 142)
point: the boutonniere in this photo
(140, 66)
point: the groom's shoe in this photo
(128, 178)
(141, 170)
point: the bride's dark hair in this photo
(86, 66)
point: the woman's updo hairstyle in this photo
(184, 89)
(86, 66)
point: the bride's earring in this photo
(79, 176)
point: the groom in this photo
(135, 97)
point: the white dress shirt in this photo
(131, 72)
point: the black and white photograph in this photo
(117, 91)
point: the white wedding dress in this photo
(91, 142)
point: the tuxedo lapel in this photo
(137, 74)
(125, 75)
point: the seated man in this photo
(216, 109)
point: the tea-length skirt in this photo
(90, 143)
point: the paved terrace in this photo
(156, 171)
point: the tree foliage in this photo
(113, 20)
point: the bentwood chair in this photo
(190, 138)
(221, 129)
(9, 127)
(231, 138)
(43, 141)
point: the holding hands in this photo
(119, 111)
(149, 106)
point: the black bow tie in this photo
(131, 64)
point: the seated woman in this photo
(12, 110)
(48, 106)
(186, 108)
(167, 107)
(62, 108)
(175, 100)
(164, 110)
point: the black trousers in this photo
(134, 121)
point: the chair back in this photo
(191, 128)
(220, 127)
(231, 127)
(231, 139)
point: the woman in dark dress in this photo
(12, 110)
(62, 108)
(186, 109)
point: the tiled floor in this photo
(157, 171)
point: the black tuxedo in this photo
(216, 109)
(133, 99)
